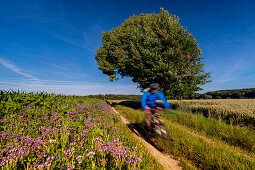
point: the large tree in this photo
(153, 48)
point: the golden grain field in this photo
(233, 111)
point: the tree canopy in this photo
(153, 48)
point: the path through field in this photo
(165, 160)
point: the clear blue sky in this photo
(49, 45)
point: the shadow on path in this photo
(135, 128)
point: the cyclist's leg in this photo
(148, 119)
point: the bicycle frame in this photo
(156, 123)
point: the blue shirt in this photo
(149, 99)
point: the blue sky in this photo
(49, 45)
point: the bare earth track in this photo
(165, 160)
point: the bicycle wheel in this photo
(159, 128)
(163, 133)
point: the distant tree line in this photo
(248, 93)
(116, 97)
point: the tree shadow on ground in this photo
(132, 104)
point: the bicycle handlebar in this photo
(158, 109)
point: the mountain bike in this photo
(157, 124)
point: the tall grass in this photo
(205, 154)
(233, 111)
(234, 135)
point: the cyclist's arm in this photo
(163, 99)
(144, 104)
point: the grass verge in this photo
(234, 135)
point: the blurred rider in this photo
(149, 102)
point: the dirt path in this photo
(165, 160)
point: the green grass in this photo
(134, 116)
(205, 151)
(234, 135)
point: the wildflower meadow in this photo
(66, 133)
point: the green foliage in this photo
(14, 101)
(153, 48)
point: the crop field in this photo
(206, 142)
(48, 131)
(234, 111)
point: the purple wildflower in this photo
(41, 166)
(90, 154)
(73, 143)
(134, 148)
(70, 167)
(79, 159)
(115, 128)
(133, 160)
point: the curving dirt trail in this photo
(165, 160)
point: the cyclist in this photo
(149, 98)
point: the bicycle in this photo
(157, 125)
